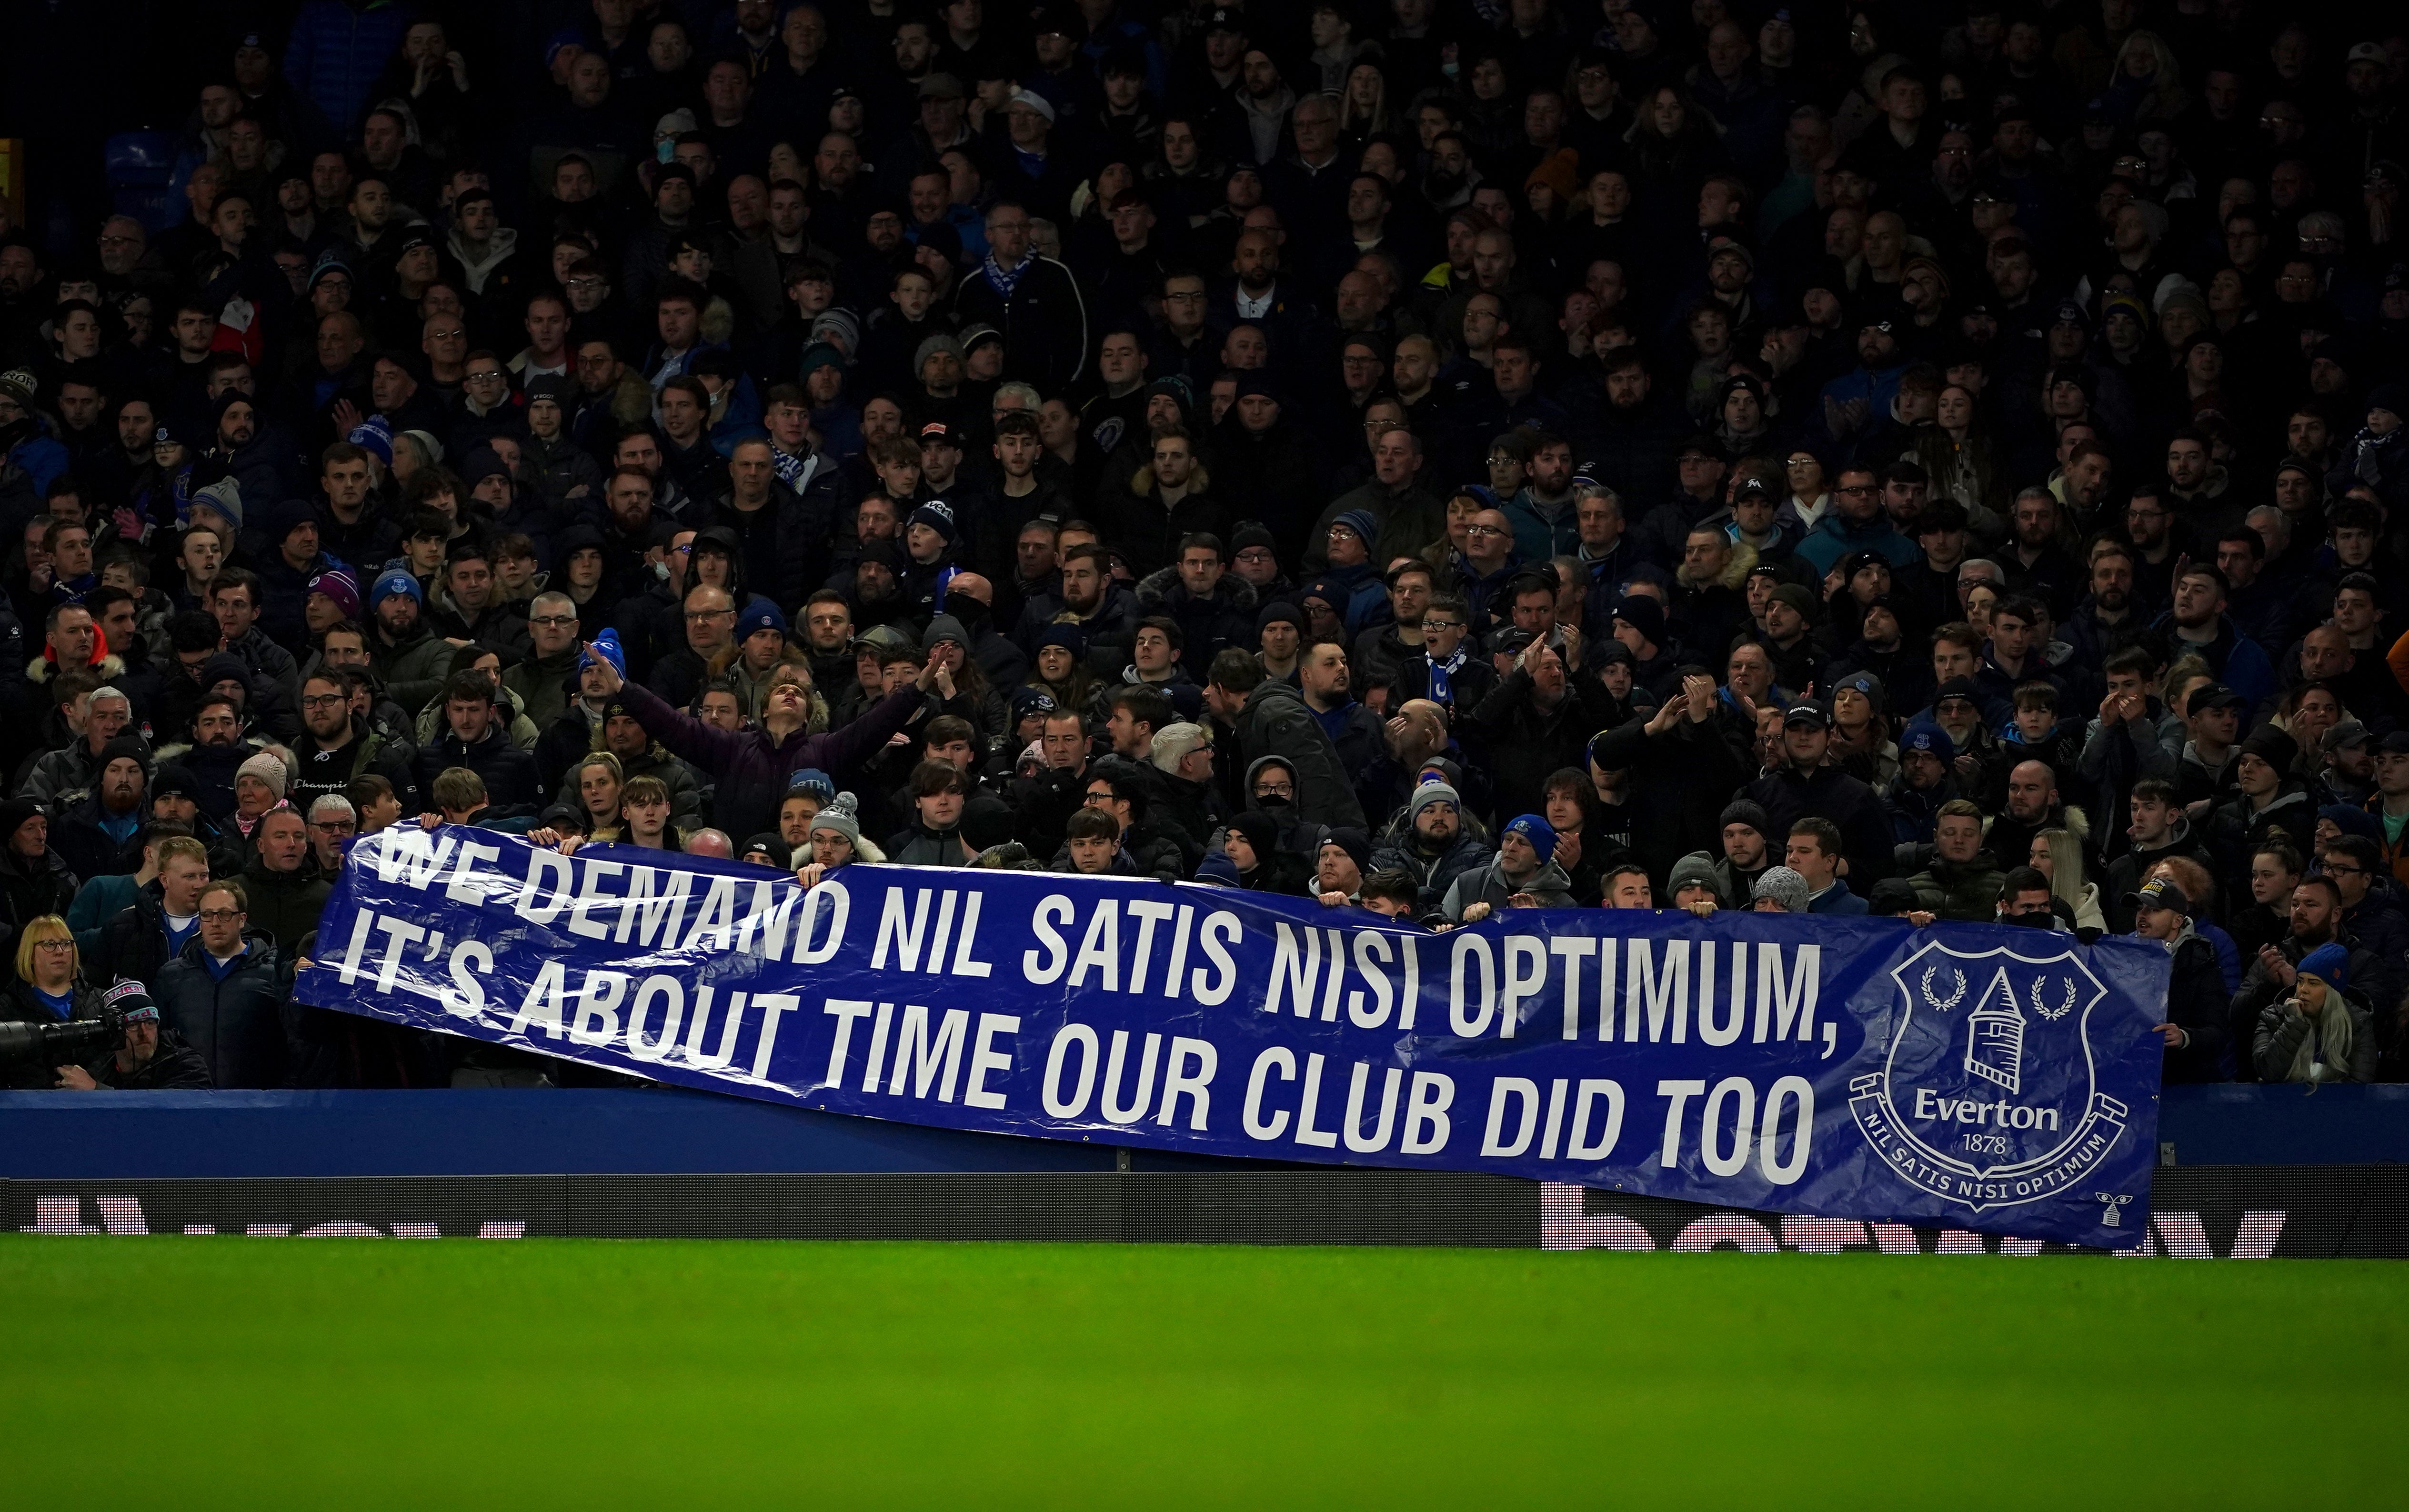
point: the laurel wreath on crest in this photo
(2052, 1015)
(1939, 1003)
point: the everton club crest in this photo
(1988, 1095)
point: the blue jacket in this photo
(1876, 387)
(1837, 899)
(41, 458)
(1537, 538)
(337, 51)
(2233, 658)
(1834, 537)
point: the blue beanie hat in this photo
(1923, 735)
(2352, 820)
(1367, 529)
(812, 780)
(2329, 963)
(399, 581)
(1541, 834)
(1066, 635)
(607, 645)
(760, 614)
(374, 434)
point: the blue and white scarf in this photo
(1005, 283)
(1442, 687)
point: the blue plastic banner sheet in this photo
(1996, 1079)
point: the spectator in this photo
(1523, 874)
(474, 736)
(1814, 856)
(225, 994)
(2026, 901)
(2194, 1030)
(149, 1059)
(1252, 858)
(836, 842)
(1269, 717)
(1780, 891)
(1339, 862)
(1962, 881)
(1808, 785)
(2321, 1033)
(282, 885)
(99, 833)
(49, 989)
(1627, 888)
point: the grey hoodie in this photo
(1488, 884)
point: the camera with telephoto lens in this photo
(70, 1043)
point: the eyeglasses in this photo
(704, 616)
(216, 915)
(550, 622)
(69, 944)
(484, 378)
(322, 700)
(335, 827)
(1429, 625)
(1482, 530)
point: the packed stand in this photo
(1933, 462)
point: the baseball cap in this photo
(2350, 733)
(1807, 713)
(2214, 696)
(2161, 892)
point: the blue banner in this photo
(1988, 1078)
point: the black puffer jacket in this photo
(243, 1024)
(507, 771)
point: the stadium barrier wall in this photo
(2294, 1176)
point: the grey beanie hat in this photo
(1695, 870)
(931, 346)
(840, 817)
(1428, 793)
(1785, 887)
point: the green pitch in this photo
(243, 1373)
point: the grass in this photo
(225, 1371)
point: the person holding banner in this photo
(751, 766)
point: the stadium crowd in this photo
(1934, 461)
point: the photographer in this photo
(47, 989)
(148, 1059)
